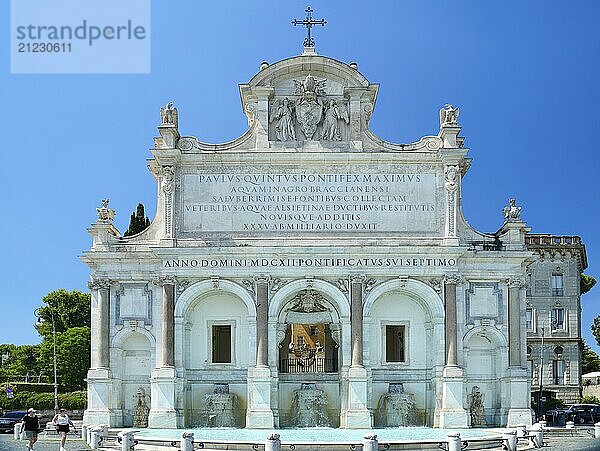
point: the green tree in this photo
(596, 329)
(69, 309)
(138, 222)
(586, 283)
(20, 361)
(73, 357)
(590, 361)
(589, 399)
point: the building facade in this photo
(554, 311)
(309, 263)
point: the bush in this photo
(589, 399)
(32, 387)
(44, 401)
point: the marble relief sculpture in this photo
(309, 110)
(333, 114)
(475, 401)
(449, 115)
(284, 129)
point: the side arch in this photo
(497, 337)
(121, 336)
(413, 288)
(205, 287)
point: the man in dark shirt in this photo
(31, 425)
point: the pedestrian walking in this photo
(62, 422)
(30, 423)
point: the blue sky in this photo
(524, 74)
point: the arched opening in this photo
(310, 344)
(308, 355)
(310, 349)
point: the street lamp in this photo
(39, 320)
(541, 377)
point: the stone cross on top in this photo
(308, 23)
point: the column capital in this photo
(454, 278)
(164, 279)
(357, 278)
(98, 284)
(517, 282)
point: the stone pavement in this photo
(51, 444)
(7, 443)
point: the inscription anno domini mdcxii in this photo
(309, 202)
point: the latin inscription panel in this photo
(251, 202)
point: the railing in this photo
(308, 365)
(541, 240)
(486, 245)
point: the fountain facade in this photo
(396, 408)
(221, 408)
(309, 407)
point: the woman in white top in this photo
(62, 421)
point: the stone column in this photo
(104, 326)
(259, 414)
(518, 379)
(452, 413)
(514, 320)
(101, 324)
(262, 321)
(450, 319)
(168, 325)
(99, 378)
(356, 319)
(164, 413)
(356, 415)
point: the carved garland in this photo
(451, 184)
(167, 185)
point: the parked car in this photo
(583, 413)
(9, 419)
(577, 413)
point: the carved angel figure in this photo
(449, 115)
(475, 400)
(512, 213)
(168, 115)
(284, 129)
(334, 113)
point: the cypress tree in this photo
(138, 221)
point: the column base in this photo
(259, 414)
(519, 416)
(163, 412)
(99, 399)
(452, 413)
(357, 415)
(519, 411)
